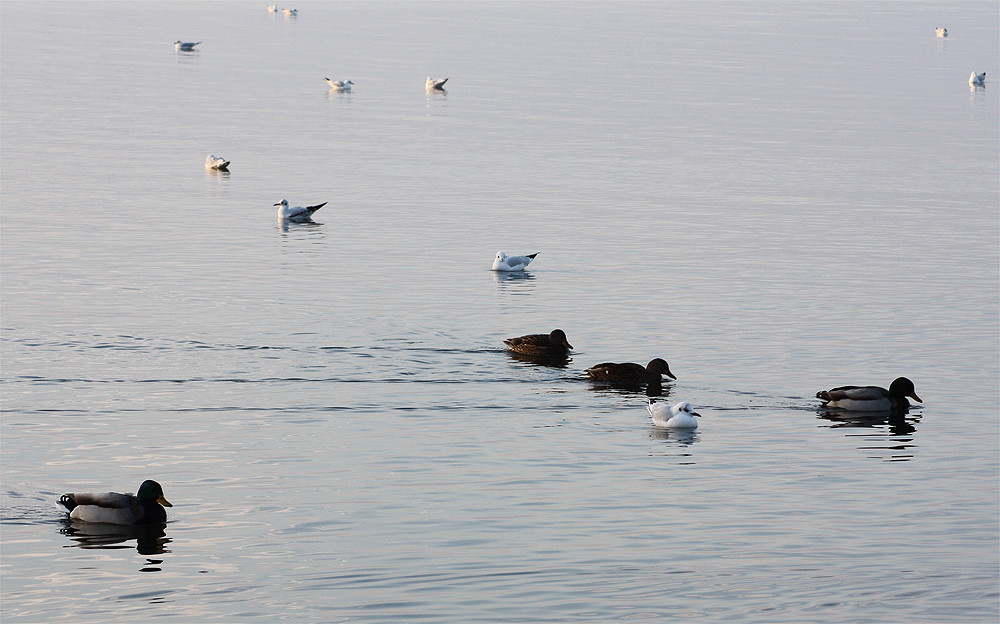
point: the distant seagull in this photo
(218, 164)
(435, 84)
(679, 416)
(340, 85)
(298, 214)
(290, 12)
(185, 46)
(941, 32)
(503, 262)
(272, 8)
(977, 80)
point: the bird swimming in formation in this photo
(679, 416)
(870, 398)
(145, 507)
(297, 214)
(977, 80)
(339, 85)
(551, 344)
(630, 373)
(941, 32)
(215, 163)
(503, 262)
(435, 84)
(185, 46)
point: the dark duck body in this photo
(630, 373)
(870, 398)
(552, 344)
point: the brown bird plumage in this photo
(630, 373)
(553, 343)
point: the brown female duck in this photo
(630, 373)
(552, 344)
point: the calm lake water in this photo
(775, 197)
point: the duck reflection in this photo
(890, 432)
(651, 389)
(150, 539)
(552, 361)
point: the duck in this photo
(503, 262)
(870, 398)
(297, 214)
(550, 344)
(435, 84)
(977, 80)
(340, 85)
(677, 416)
(216, 163)
(145, 507)
(630, 372)
(941, 32)
(185, 46)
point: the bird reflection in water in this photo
(150, 539)
(891, 432)
(552, 361)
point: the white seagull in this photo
(290, 12)
(214, 162)
(298, 214)
(977, 80)
(340, 85)
(679, 416)
(941, 32)
(503, 262)
(272, 8)
(435, 84)
(185, 46)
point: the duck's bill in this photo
(163, 501)
(913, 395)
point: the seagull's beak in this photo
(278, 204)
(696, 414)
(163, 501)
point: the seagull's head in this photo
(501, 256)
(283, 202)
(684, 408)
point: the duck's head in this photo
(660, 367)
(150, 491)
(903, 387)
(558, 336)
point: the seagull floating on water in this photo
(503, 262)
(214, 162)
(977, 80)
(298, 214)
(290, 12)
(871, 398)
(185, 46)
(272, 8)
(941, 32)
(679, 416)
(435, 84)
(340, 85)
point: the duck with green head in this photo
(145, 507)
(870, 398)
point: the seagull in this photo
(218, 164)
(977, 80)
(298, 214)
(185, 46)
(340, 85)
(272, 8)
(504, 262)
(941, 32)
(290, 12)
(435, 84)
(679, 416)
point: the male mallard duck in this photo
(503, 262)
(679, 416)
(298, 214)
(870, 398)
(435, 84)
(113, 508)
(977, 80)
(553, 343)
(629, 372)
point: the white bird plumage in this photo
(296, 214)
(977, 80)
(272, 8)
(941, 32)
(340, 85)
(215, 163)
(185, 46)
(503, 262)
(290, 12)
(435, 84)
(678, 416)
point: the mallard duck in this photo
(185, 46)
(977, 80)
(503, 262)
(630, 373)
(435, 84)
(340, 85)
(553, 343)
(941, 32)
(298, 214)
(870, 398)
(216, 163)
(679, 416)
(112, 508)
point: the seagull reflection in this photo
(685, 437)
(150, 538)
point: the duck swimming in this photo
(553, 343)
(870, 398)
(630, 373)
(678, 416)
(146, 507)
